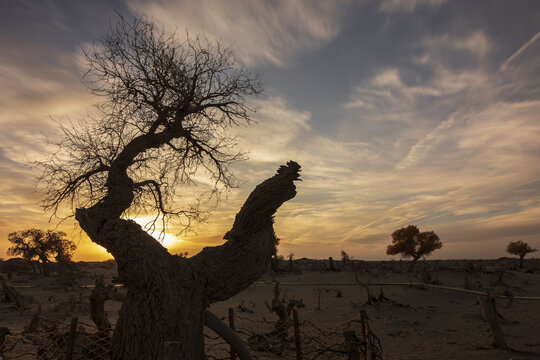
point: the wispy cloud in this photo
(522, 49)
(260, 32)
(278, 124)
(475, 43)
(461, 164)
(407, 6)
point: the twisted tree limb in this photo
(235, 265)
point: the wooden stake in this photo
(231, 325)
(71, 339)
(297, 340)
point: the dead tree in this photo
(179, 290)
(371, 299)
(167, 108)
(282, 307)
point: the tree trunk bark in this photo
(44, 265)
(164, 311)
(521, 261)
(413, 263)
(162, 322)
(97, 306)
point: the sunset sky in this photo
(400, 112)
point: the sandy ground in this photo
(414, 323)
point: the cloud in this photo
(386, 89)
(425, 145)
(459, 145)
(475, 43)
(528, 44)
(407, 6)
(278, 124)
(260, 32)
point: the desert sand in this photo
(412, 322)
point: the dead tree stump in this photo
(99, 295)
(370, 298)
(283, 308)
(12, 295)
(490, 314)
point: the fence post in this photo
(364, 335)
(297, 342)
(490, 314)
(231, 325)
(71, 339)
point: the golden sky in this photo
(400, 112)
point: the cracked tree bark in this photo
(168, 295)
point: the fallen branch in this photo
(220, 328)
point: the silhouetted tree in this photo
(519, 248)
(164, 120)
(274, 261)
(42, 245)
(331, 263)
(346, 260)
(410, 242)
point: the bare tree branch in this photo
(164, 117)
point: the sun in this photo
(166, 239)
(169, 240)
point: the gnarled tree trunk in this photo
(44, 263)
(413, 263)
(165, 307)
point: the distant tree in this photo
(345, 259)
(43, 245)
(291, 262)
(274, 260)
(410, 242)
(331, 263)
(519, 248)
